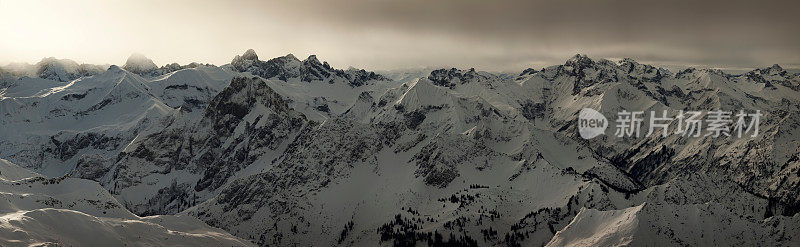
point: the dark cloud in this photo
(716, 33)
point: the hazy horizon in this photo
(387, 35)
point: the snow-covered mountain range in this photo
(295, 152)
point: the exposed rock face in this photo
(452, 77)
(272, 124)
(242, 123)
(310, 70)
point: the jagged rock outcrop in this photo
(309, 70)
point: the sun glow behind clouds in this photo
(35, 29)
(109, 31)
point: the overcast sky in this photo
(385, 34)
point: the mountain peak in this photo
(290, 57)
(241, 94)
(579, 58)
(312, 59)
(139, 64)
(114, 68)
(66, 62)
(452, 77)
(775, 69)
(628, 60)
(137, 57)
(250, 54)
(528, 71)
(57, 69)
(579, 61)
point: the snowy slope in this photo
(666, 224)
(67, 211)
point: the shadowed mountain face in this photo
(289, 152)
